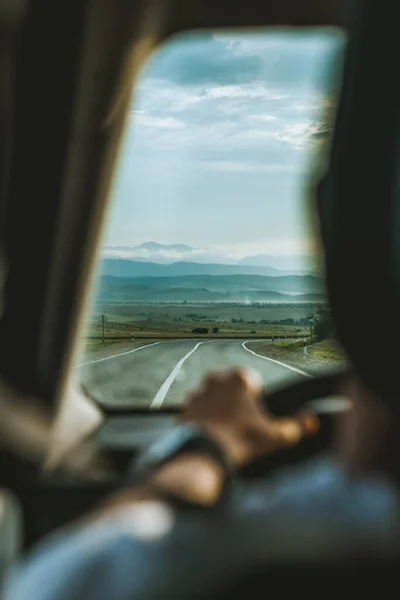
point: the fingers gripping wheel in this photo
(321, 395)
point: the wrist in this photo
(191, 477)
(240, 447)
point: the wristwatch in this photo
(180, 440)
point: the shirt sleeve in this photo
(113, 558)
(132, 555)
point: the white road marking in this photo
(116, 355)
(164, 389)
(274, 361)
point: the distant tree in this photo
(215, 330)
(323, 324)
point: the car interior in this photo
(66, 73)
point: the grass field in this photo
(214, 311)
(166, 320)
(326, 351)
(91, 347)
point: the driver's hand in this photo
(229, 406)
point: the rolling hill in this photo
(211, 288)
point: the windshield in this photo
(209, 258)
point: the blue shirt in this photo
(137, 555)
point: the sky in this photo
(222, 135)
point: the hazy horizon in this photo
(171, 253)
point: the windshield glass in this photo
(209, 258)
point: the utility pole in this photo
(103, 320)
(310, 320)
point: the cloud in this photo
(166, 255)
(230, 118)
(198, 137)
(223, 90)
(244, 91)
(141, 118)
(154, 94)
(206, 60)
(262, 118)
(225, 254)
(246, 167)
(280, 58)
(116, 253)
(305, 133)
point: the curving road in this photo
(160, 374)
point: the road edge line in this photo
(91, 362)
(274, 361)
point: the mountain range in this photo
(261, 278)
(173, 253)
(118, 267)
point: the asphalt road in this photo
(161, 374)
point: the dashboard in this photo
(129, 432)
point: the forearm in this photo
(191, 477)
